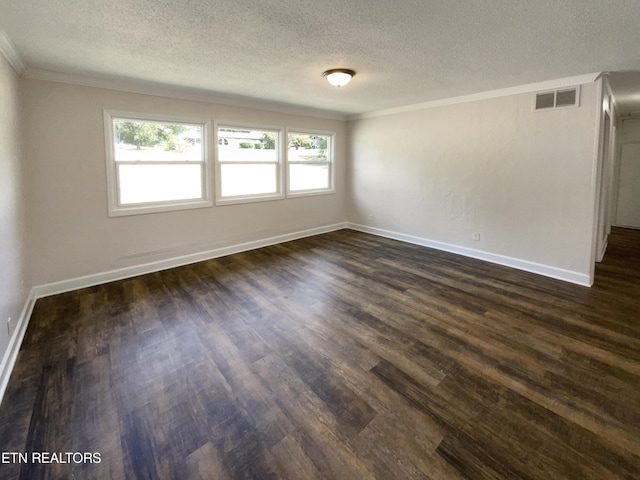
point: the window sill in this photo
(310, 193)
(248, 199)
(157, 208)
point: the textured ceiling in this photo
(404, 51)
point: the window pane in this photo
(159, 183)
(242, 179)
(241, 145)
(308, 177)
(308, 147)
(138, 140)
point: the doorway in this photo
(628, 204)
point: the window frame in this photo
(279, 164)
(330, 162)
(115, 208)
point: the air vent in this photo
(566, 98)
(545, 100)
(559, 98)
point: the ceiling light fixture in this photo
(339, 77)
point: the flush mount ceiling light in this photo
(339, 77)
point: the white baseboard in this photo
(11, 353)
(133, 271)
(142, 269)
(546, 270)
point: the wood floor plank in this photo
(50, 418)
(332, 453)
(294, 462)
(338, 356)
(205, 463)
(391, 446)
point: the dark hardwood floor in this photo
(340, 356)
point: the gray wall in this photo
(627, 208)
(13, 255)
(70, 233)
(521, 179)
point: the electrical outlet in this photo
(476, 237)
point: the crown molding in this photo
(503, 92)
(149, 88)
(8, 50)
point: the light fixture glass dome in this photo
(338, 77)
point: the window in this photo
(156, 163)
(248, 164)
(309, 163)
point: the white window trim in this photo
(311, 192)
(117, 210)
(260, 197)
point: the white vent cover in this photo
(567, 97)
(545, 100)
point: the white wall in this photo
(70, 233)
(629, 130)
(521, 179)
(627, 207)
(13, 254)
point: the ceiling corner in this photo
(8, 50)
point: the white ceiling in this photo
(404, 51)
(626, 89)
